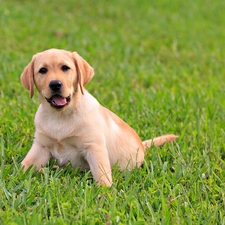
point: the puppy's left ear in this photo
(27, 77)
(84, 71)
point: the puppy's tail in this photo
(159, 140)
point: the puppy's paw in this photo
(105, 182)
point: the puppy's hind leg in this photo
(159, 140)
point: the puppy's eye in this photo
(43, 70)
(65, 68)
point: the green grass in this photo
(160, 66)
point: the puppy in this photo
(71, 126)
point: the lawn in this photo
(160, 66)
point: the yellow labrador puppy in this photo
(71, 126)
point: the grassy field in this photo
(159, 65)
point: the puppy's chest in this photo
(58, 128)
(62, 139)
(64, 150)
(61, 134)
(67, 150)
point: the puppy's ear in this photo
(84, 71)
(27, 77)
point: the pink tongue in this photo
(59, 100)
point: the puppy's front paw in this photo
(105, 182)
(25, 165)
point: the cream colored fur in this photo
(82, 132)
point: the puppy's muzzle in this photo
(57, 101)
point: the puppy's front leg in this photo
(98, 160)
(37, 156)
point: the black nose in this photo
(55, 85)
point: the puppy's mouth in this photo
(58, 101)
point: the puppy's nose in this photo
(55, 85)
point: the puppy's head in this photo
(57, 74)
